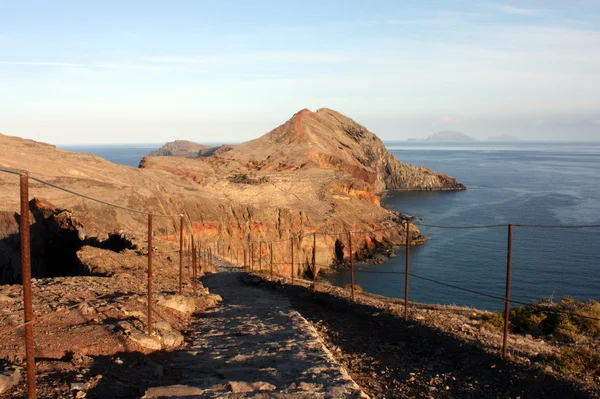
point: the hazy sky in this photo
(149, 71)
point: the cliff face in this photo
(318, 172)
(328, 139)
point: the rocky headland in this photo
(318, 172)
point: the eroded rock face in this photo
(56, 235)
(318, 172)
(328, 139)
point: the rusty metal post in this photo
(260, 256)
(245, 265)
(292, 245)
(507, 297)
(237, 256)
(252, 256)
(271, 250)
(200, 256)
(351, 266)
(314, 261)
(181, 255)
(194, 265)
(27, 292)
(150, 276)
(406, 269)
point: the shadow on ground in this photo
(389, 357)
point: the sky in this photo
(78, 72)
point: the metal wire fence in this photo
(257, 255)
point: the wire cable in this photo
(11, 171)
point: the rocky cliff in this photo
(318, 172)
(328, 139)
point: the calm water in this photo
(541, 183)
(534, 183)
(128, 154)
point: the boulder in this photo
(171, 339)
(9, 379)
(146, 341)
(172, 391)
(242, 386)
(180, 303)
(208, 301)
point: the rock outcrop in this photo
(180, 148)
(318, 172)
(328, 139)
(188, 149)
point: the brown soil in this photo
(86, 324)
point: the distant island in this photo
(503, 137)
(449, 135)
(188, 149)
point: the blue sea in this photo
(123, 154)
(521, 182)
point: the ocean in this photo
(540, 183)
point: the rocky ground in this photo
(441, 352)
(266, 339)
(88, 326)
(255, 345)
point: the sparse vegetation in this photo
(583, 362)
(548, 319)
(244, 178)
(355, 132)
(357, 287)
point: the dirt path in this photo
(255, 344)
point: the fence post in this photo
(26, 276)
(351, 266)
(245, 264)
(314, 261)
(292, 245)
(194, 264)
(150, 250)
(181, 255)
(200, 257)
(252, 256)
(507, 297)
(407, 263)
(271, 250)
(260, 256)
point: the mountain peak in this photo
(327, 139)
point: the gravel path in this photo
(255, 345)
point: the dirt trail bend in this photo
(255, 345)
